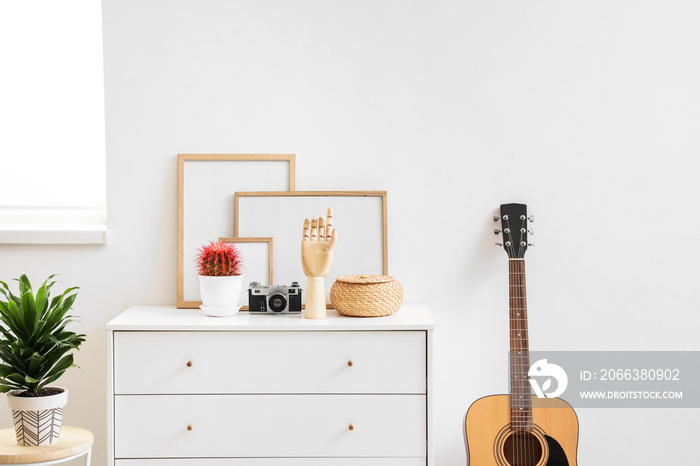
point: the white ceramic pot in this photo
(221, 293)
(37, 419)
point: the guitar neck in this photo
(520, 401)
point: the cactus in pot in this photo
(219, 266)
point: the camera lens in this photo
(277, 302)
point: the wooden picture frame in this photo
(246, 262)
(206, 183)
(360, 216)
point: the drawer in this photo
(156, 426)
(269, 362)
(276, 462)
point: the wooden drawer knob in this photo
(189, 363)
(349, 363)
(351, 427)
(189, 427)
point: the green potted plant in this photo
(219, 266)
(34, 352)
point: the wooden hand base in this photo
(315, 298)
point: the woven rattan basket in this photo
(366, 295)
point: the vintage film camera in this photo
(280, 299)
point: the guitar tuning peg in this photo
(498, 245)
(531, 218)
(530, 244)
(496, 231)
(496, 218)
(531, 231)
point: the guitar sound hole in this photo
(522, 449)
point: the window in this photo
(52, 143)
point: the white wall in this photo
(586, 111)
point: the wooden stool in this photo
(73, 443)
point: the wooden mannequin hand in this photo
(317, 245)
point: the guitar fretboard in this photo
(520, 401)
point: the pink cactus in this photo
(219, 260)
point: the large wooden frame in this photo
(287, 229)
(257, 181)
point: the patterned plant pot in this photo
(37, 419)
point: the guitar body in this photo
(491, 442)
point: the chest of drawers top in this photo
(168, 318)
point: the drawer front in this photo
(276, 462)
(148, 426)
(269, 362)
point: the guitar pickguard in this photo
(557, 457)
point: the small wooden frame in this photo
(247, 261)
(360, 217)
(206, 183)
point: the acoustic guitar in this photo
(519, 429)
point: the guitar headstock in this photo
(514, 229)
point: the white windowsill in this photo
(53, 226)
(54, 234)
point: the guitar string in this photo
(518, 420)
(523, 434)
(524, 450)
(519, 437)
(514, 405)
(516, 436)
(520, 243)
(525, 343)
(524, 324)
(530, 450)
(513, 377)
(519, 290)
(508, 239)
(511, 253)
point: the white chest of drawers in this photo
(185, 389)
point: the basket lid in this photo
(365, 279)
